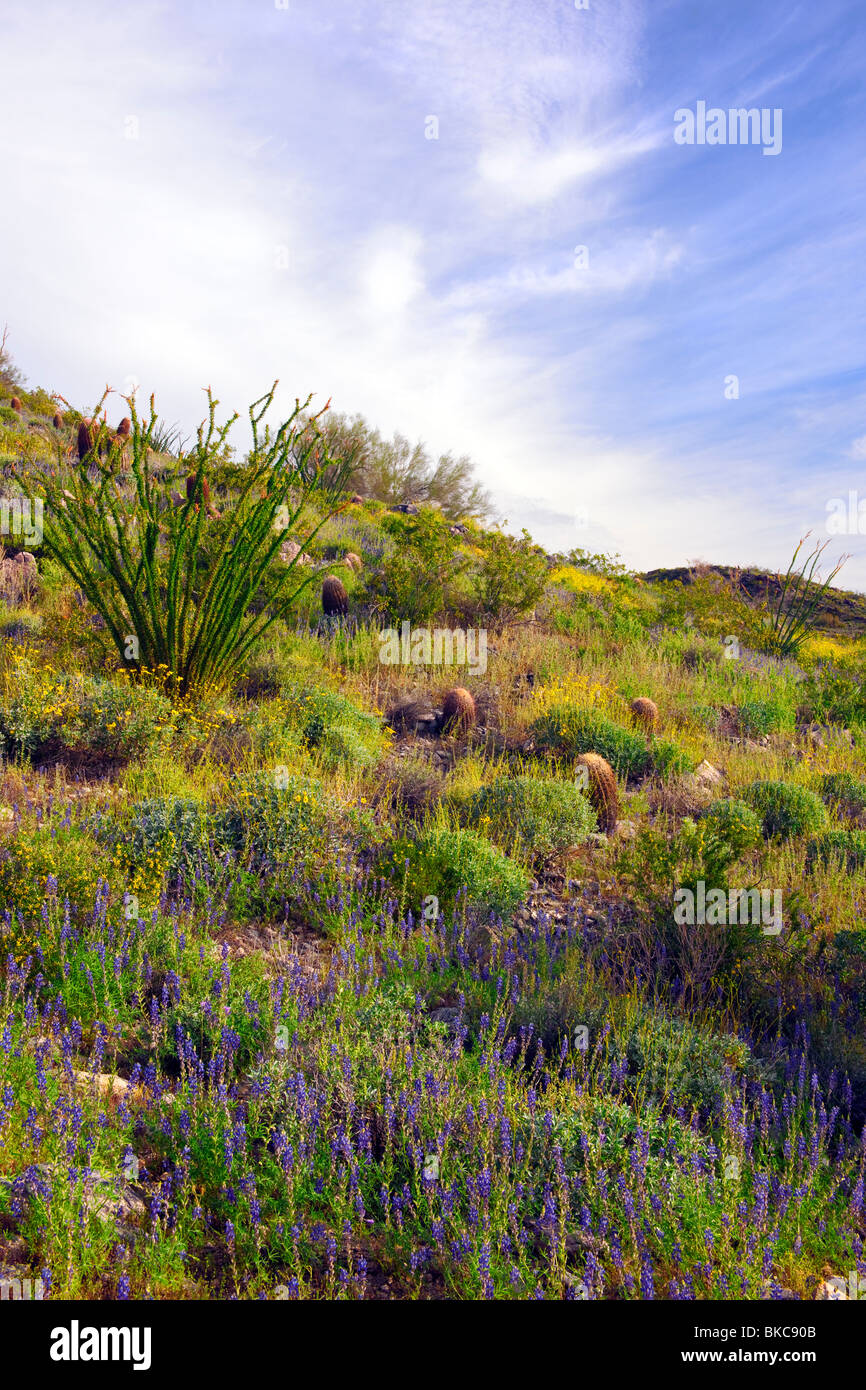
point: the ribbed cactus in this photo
(58, 420)
(124, 429)
(458, 710)
(645, 713)
(16, 404)
(601, 789)
(352, 561)
(335, 600)
(86, 439)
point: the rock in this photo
(105, 1195)
(290, 550)
(356, 499)
(831, 1290)
(111, 1088)
(708, 776)
(18, 581)
(625, 830)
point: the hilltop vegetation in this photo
(331, 977)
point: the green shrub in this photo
(847, 845)
(758, 718)
(735, 823)
(169, 830)
(511, 575)
(844, 790)
(673, 1061)
(669, 759)
(336, 728)
(41, 707)
(543, 814)
(276, 819)
(442, 862)
(601, 1131)
(571, 729)
(785, 808)
(9, 416)
(415, 574)
(715, 609)
(836, 694)
(706, 717)
(63, 862)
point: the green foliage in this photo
(669, 759)
(395, 471)
(277, 820)
(711, 606)
(682, 1065)
(170, 831)
(757, 718)
(849, 846)
(785, 809)
(735, 823)
(10, 378)
(542, 814)
(412, 582)
(835, 693)
(442, 862)
(42, 709)
(9, 416)
(511, 575)
(57, 864)
(569, 729)
(607, 565)
(338, 731)
(845, 791)
(182, 578)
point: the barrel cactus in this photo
(458, 710)
(86, 439)
(645, 713)
(335, 600)
(599, 779)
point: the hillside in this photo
(370, 894)
(839, 610)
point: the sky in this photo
(472, 223)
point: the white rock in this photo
(708, 776)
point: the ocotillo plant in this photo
(800, 592)
(178, 579)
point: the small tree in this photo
(511, 576)
(414, 578)
(171, 573)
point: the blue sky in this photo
(279, 212)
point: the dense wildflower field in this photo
(314, 986)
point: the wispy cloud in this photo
(230, 193)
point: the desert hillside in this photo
(392, 910)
